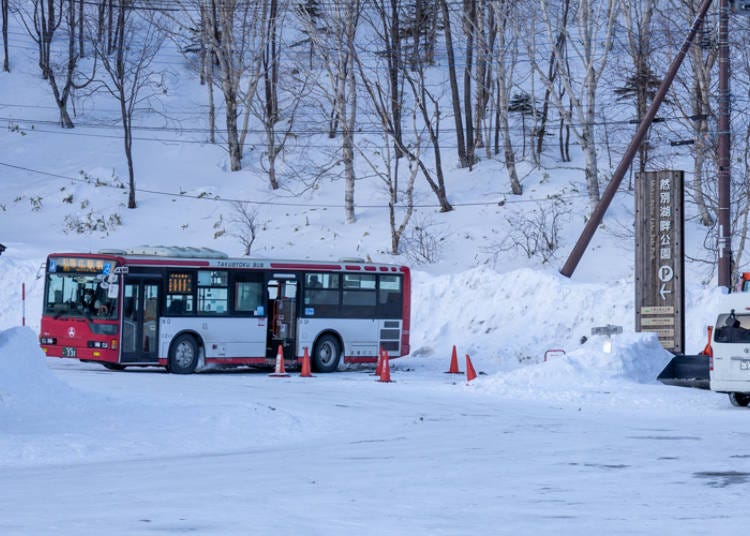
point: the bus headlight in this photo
(48, 340)
(97, 344)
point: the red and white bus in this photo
(184, 308)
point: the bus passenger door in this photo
(282, 321)
(140, 322)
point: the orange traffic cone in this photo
(305, 370)
(385, 373)
(379, 366)
(708, 350)
(279, 372)
(470, 372)
(454, 363)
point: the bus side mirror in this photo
(273, 290)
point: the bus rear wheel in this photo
(739, 399)
(183, 355)
(327, 354)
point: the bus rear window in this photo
(732, 328)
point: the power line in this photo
(366, 128)
(204, 197)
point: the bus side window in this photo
(248, 297)
(390, 295)
(322, 294)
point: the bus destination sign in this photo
(80, 264)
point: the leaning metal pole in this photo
(724, 229)
(598, 213)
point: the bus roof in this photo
(165, 256)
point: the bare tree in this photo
(382, 163)
(642, 84)
(550, 78)
(536, 232)
(42, 20)
(594, 25)
(428, 106)
(419, 27)
(470, 26)
(334, 42)
(128, 74)
(245, 225)
(231, 35)
(4, 8)
(347, 101)
(378, 90)
(284, 85)
(386, 26)
(693, 97)
(463, 157)
(506, 58)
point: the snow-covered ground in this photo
(586, 442)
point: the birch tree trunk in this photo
(455, 96)
(594, 25)
(504, 68)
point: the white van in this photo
(729, 369)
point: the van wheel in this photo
(327, 354)
(739, 399)
(183, 355)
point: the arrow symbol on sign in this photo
(663, 291)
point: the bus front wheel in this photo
(327, 354)
(183, 355)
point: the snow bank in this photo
(590, 373)
(25, 381)
(44, 420)
(634, 357)
(510, 319)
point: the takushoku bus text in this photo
(183, 308)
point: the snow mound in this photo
(635, 358)
(25, 380)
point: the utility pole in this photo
(724, 244)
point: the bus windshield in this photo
(87, 294)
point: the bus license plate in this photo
(68, 351)
(744, 365)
